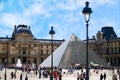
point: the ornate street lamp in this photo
(87, 11)
(52, 32)
(5, 69)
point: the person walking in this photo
(78, 75)
(36, 73)
(114, 77)
(101, 76)
(60, 75)
(21, 76)
(39, 70)
(104, 76)
(55, 75)
(81, 76)
(26, 78)
(12, 75)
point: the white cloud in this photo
(37, 9)
(96, 25)
(71, 17)
(103, 2)
(70, 5)
(10, 19)
(26, 16)
(67, 16)
(73, 5)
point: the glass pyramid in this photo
(72, 51)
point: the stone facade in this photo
(107, 45)
(22, 45)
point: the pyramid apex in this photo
(74, 37)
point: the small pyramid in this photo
(72, 51)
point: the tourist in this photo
(14, 75)
(60, 75)
(97, 72)
(26, 78)
(55, 75)
(104, 76)
(11, 75)
(81, 76)
(21, 76)
(101, 76)
(84, 75)
(39, 70)
(78, 75)
(117, 71)
(36, 72)
(114, 77)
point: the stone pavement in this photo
(93, 75)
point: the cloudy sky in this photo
(64, 15)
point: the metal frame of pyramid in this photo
(72, 51)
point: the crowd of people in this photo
(58, 73)
(115, 74)
(45, 72)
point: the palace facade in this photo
(22, 45)
(107, 45)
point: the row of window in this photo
(115, 60)
(13, 45)
(23, 60)
(13, 51)
(112, 44)
(113, 50)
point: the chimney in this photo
(15, 28)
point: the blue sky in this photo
(64, 15)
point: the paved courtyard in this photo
(93, 75)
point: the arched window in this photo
(108, 60)
(12, 60)
(115, 61)
(24, 51)
(111, 60)
(41, 59)
(35, 60)
(118, 60)
(3, 60)
(41, 52)
(47, 51)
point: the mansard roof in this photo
(108, 33)
(23, 28)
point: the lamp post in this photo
(5, 69)
(0, 69)
(51, 32)
(87, 11)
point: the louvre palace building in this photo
(22, 45)
(107, 44)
